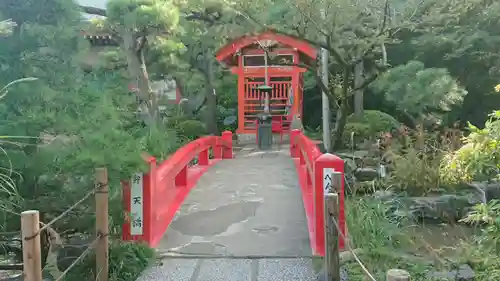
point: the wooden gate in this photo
(279, 103)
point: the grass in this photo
(385, 243)
(388, 243)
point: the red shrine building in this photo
(245, 57)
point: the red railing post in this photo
(323, 165)
(217, 149)
(149, 187)
(182, 177)
(203, 158)
(227, 146)
(294, 149)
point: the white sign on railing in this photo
(327, 180)
(136, 204)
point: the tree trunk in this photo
(138, 72)
(342, 112)
(358, 94)
(211, 101)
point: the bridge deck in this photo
(245, 207)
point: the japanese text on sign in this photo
(327, 180)
(136, 202)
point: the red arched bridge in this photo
(261, 210)
(233, 202)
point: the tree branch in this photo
(93, 10)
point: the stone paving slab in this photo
(231, 270)
(247, 206)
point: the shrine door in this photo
(280, 99)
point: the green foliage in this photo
(462, 37)
(143, 16)
(419, 91)
(483, 254)
(192, 129)
(479, 158)
(126, 262)
(369, 126)
(415, 172)
(64, 125)
(377, 121)
(356, 133)
(381, 239)
(414, 159)
(488, 214)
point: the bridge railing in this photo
(152, 199)
(315, 171)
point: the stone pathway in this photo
(248, 212)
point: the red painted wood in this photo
(309, 162)
(166, 186)
(245, 41)
(250, 100)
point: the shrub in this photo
(483, 253)
(192, 129)
(357, 132)
(368, 127)
(414, 159)
(377, 121)
(415, 172)
(479, 158)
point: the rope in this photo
(350, 249)
(45, 226)
(83, 255)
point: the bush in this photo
(414, 159)
(126, 262)
(192, 129)
(377, 121)
(415, 172)
(358, 132)
(479, 158)
(369, 126)
(483, 254)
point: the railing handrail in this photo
(315, 171)
(310, 149)
(185, 154)
(172, 178)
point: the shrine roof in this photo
(293, 42)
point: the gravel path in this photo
(246, 207)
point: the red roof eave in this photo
(240, 43)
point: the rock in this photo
(462, 273)
(366, 174)
(488, 191)
(383, 195)
(343, 274)
(356, 155)
(447, 207)
(71, 251)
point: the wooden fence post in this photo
(101, 203)
(332, 260)
(398, 275)
(30, 233)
